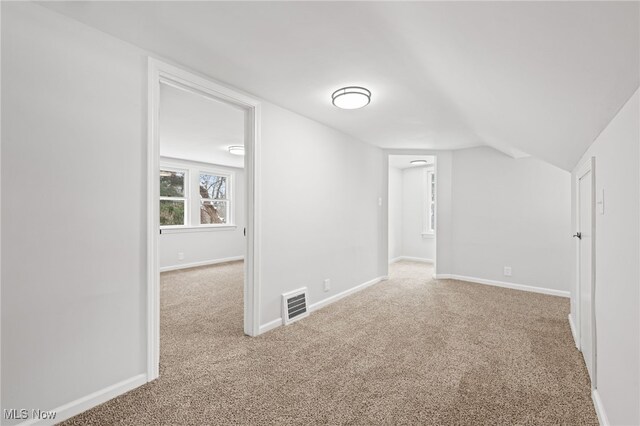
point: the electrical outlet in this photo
(180, 256)
(327, 284)
(507, 271)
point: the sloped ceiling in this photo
(196, 128)
(528, 78)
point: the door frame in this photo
(162, 72)
(385, 239)
(589, 165)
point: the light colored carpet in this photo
(410, 350)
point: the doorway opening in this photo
(412, 209)
(203, 210)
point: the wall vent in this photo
(294, 306)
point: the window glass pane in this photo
(171, 212)
(212, 186)
(213, 212)
(171, 183)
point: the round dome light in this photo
(236, 150)
(352, 97)
(419, 162)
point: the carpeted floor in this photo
(410, 350)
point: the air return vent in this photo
(294, 305)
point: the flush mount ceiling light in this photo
(351, 97)
(419, 162)
(236, 150)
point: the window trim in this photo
(201, 228)
(192, 196)
(184, 198)
(429, 193)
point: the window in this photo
(173, 200)
(214, 200)
(191, 197)
(430, 203)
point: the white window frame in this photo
(230, 176)
(430, 199)
(185, 199)
(193, 200)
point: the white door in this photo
(585, 283)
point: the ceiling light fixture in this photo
(351, 97)
(236, 149)
(419, 162)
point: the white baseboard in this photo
(87, 402)
(573, 331)
(503, 284)
(413, 259)
(321, 304)
(329, 300)
(597, 404)
(270, 325)
(443, 276)
(203, 263)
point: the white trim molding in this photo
(200, 228)
(412, 259)
(270, 325)
(203, 263)
(325, 302)
(599, 407)
(588, 166)
(329, 300)
(163, 73)
(513, 286)
(572, 326)
(87, 402)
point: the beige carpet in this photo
(410, 350)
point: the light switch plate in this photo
(601, 202)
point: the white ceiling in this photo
(538, 78)
(404, 161)
(197, 128)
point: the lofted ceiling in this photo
(528, 78)
(194, 127)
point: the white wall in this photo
(73, 183)
(320, 212)
(395, 213)
(206, 245)
(414, 188)
(74, 132)
(510, 212)
(617, 277)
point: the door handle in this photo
(578, 235)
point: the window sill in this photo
(186, 229)
(428, 235)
